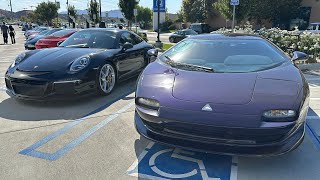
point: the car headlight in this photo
(148, 103)
(279, 114)
(80, 64)
(18, 59)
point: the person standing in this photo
(4, 32)
(12, 34)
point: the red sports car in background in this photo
(52, 40)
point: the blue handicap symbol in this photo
(163, 162)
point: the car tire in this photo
(106, 79)
(172, 40)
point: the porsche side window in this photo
(136, 39)
(126, 37)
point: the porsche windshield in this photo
(225, 56)
(91, 39)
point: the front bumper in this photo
(219, 145)
(29, 46)
(37, 90)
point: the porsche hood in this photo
(53, 59)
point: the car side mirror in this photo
(299, 56)
(153, 52)
(127, 46)
(60, 42)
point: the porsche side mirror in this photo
(127, 46)
(299, 56)
(60, 42)
(153, 52)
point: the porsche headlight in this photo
(18, 59)
(148, 103)
(80, 64)
(279, 114)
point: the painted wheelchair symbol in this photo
(180, 154)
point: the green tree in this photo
(127, 7)
(179, 16)
(93, 11)
(72, 11)
(144, 15)
(224, 8)
(197, 10)
(46, 12)
(23, 19)
(271, 10)
(32, 17)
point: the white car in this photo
(314, 28)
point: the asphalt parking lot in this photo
(95, 138)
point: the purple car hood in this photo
(217, 88)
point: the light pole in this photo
(11, 6)
(158, 42)
(158, 6)
(100, 11)
(68, 12)
(11, 9)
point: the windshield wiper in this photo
(190, 66)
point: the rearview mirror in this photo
(153, 52)
(299, 56)
(60, 42)
(127, 46)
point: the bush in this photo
(172, 27)
(288, 41)
(164, 27)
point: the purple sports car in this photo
(226, 94)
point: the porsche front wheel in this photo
(106, 80)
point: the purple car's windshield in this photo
(225, 56)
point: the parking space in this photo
(95, 138)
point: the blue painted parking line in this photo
(31, 151)
(313, 135)
(162, 162)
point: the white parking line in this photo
(6, 61)
(234, 168)
(313, 79)
(314, 99)
(313, 117)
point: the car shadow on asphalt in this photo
(17, 110)
(139, 146)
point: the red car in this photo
(52, 40)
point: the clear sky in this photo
(18, 5)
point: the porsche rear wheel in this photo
(106, 80)
(172, 40)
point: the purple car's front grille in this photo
(208, 133)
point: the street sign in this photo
(162, 5)
(135, 12)
(234, 2)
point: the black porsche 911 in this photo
(90, 61)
